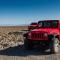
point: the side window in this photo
(54, 24)
(47, 24)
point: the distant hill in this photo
(12, 28)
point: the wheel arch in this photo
(53, 36)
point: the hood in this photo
(46, 30)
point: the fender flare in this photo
(53, 36)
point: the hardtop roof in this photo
(49, 20)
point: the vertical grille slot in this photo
(37, 35)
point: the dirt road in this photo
(18, 53)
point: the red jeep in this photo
(32, 26)
(46, 36)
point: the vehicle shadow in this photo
(20, 51)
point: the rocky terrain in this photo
(10, 39)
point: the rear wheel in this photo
(54, 45)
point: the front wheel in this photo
(27, 44)
(54, 45)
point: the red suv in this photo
(46, 36)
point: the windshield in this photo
(33, 24)
(48, 23)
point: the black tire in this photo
(27, 44)
(55, 45)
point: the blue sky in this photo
(19, 12)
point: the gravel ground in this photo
(11, 48)
(18, 53)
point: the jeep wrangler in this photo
(46, 36)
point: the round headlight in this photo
(29, 34)
(45, 34)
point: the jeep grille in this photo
(37, 35)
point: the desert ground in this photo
(12, 46)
